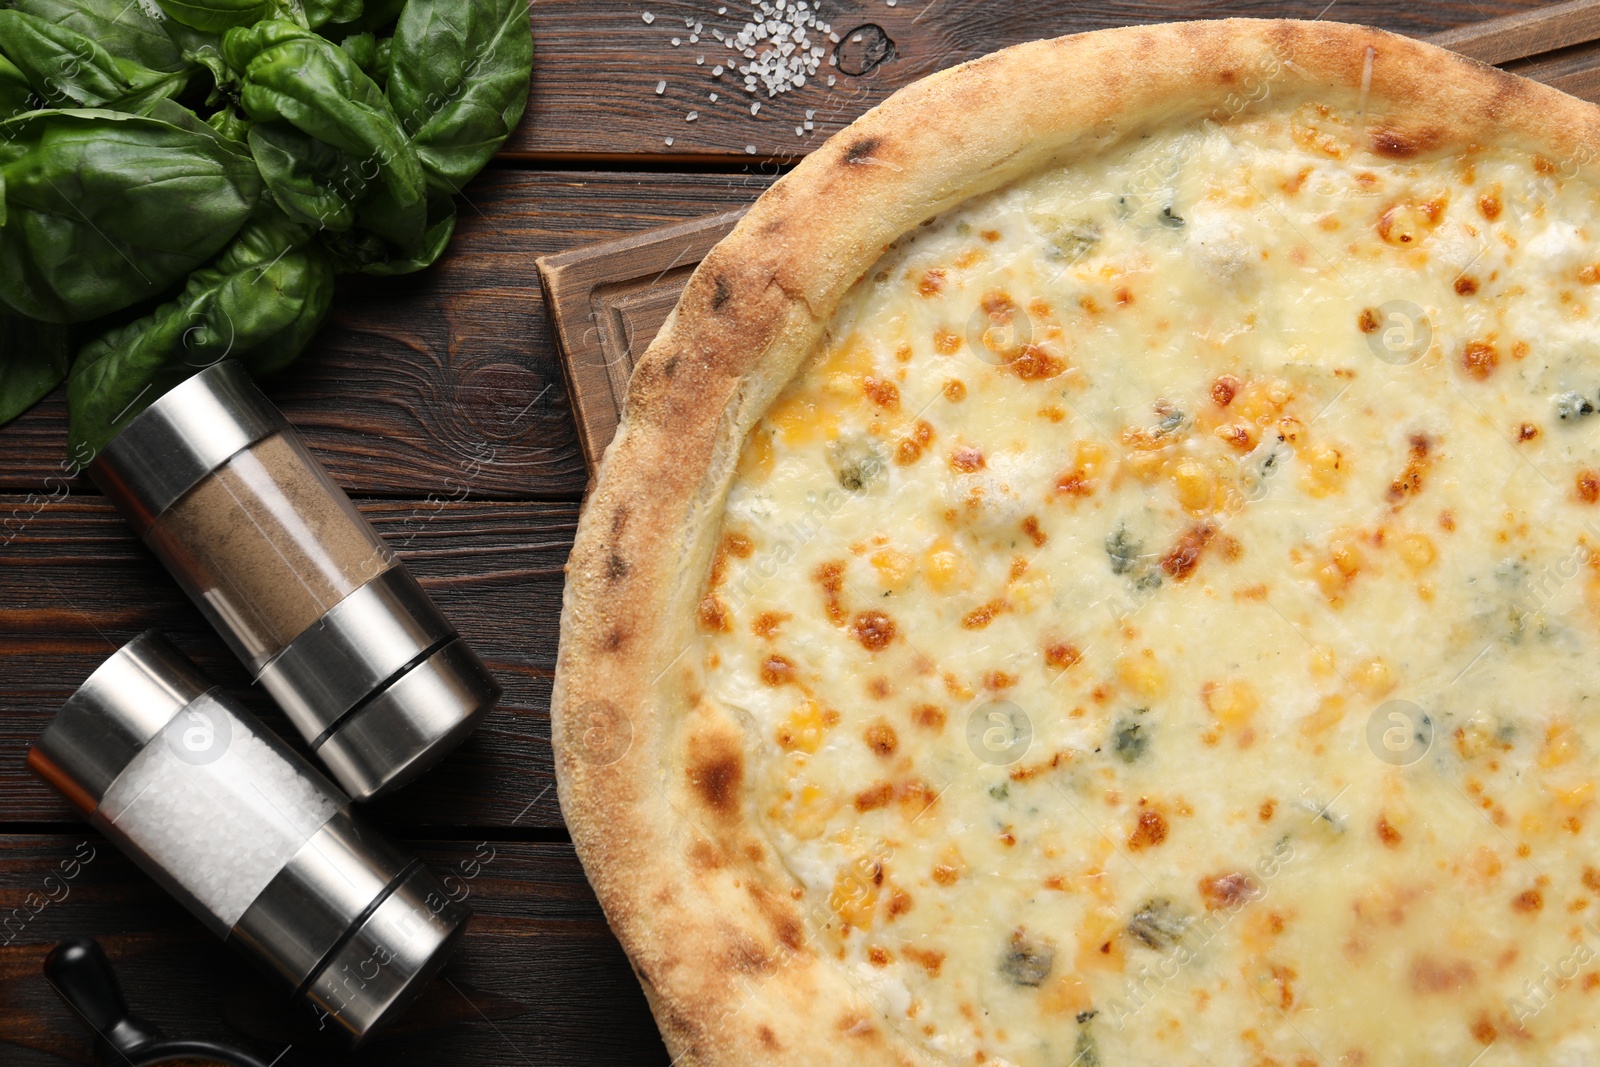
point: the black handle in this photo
(82, 977)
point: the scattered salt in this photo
(713, 98)
(755, 107)
(716, 71)
(669, 142)
(661, 87)
(832, 80)
(648, 18)
(676, 41)
(749, 149)
(691, 116)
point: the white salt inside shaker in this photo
(253, 840)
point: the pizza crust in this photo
(651, 776)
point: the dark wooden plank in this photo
(75, 584)
(538, 978)
(1526, 33)
(598, 65)
(417, 377)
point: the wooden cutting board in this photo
(608, 300)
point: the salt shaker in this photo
(227, 495)
(248, 836)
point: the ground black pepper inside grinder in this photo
(226, 493)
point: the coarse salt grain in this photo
(691, 116)
(755, 107)
(716, 71)
(661, 87)
(669, 142)
(221, 829)
(713, 98)
(648, 18)
(832, 80)
(749, 149)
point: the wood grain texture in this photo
(607, 301)
(1525, 33)
(77, 584)
(416, 376)
(446, 383)
(598, 65)
(538, 978)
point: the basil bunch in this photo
(181, 184)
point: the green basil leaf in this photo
(318, 12)
(103, 209)
(460, 81)
(34, 357)
(124, 29)
(215, 16)
(362, 48)
(295, 76)
(375, 14)
(230, 127)
(441, 224)
(261, 302)
(365, 252)
(67, 69)
(16, 95)
(312, 182)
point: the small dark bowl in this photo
(82, 977)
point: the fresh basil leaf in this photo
(362, 48)
(122, 28)
(215, 16)
(319, 12)
(295, 76)
(34, 357)
(441, 224)
(312, 182)
(375, 14)
(16, 95)
(460, 81)
(230, 127)
(103, 209)
(260, 303)
(67, 69)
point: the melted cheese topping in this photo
(1164, 612)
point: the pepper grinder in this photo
(329, 621)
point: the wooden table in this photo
(437, 401)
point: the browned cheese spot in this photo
(966, 459)
(1479, 359)
(1227, 890)
(874, 629)
(1184, 556)
(1150, 831)
(777, 670)
(1059, 655)
(1588, 486)
(881, 739)
(830, 576)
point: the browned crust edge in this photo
(660, 819)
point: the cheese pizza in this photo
(1100, 568)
